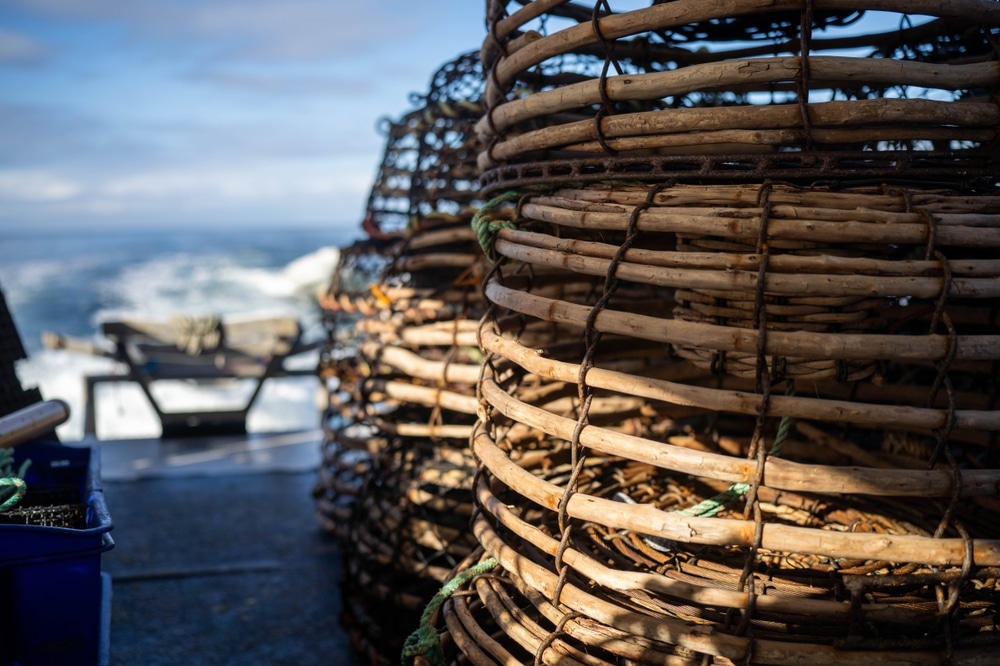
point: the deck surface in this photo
(218, 557)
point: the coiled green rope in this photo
(12, 485)
(425, 640)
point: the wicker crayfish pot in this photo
(776, 441)
(402, 366)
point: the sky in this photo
(156, 113)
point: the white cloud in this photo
(300, 30)
(36, 186)
(209, 185)
(150, 110)
(287, 84)
(263, 30)
(293, 191)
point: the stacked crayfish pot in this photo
(794, 305)
(403, 363)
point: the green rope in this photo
(486, 227)
(12, 485)
(15, 495)
(713, 505)
(425, 640)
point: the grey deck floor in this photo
(220, 565)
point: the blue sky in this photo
(208, 112)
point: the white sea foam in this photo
(191, 285)
(312, 272)
(218, 283)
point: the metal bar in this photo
(32, 421)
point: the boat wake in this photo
(235, 282)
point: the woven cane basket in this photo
(402, 366)
(399, 357)
(400, 301)
(739, 89)
(766, 431)
(783, 488)
(631, 598)
(428, 162)
(408, 392)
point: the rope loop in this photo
(486, 227)
(553, 636)
(15, 495)
(425, 641)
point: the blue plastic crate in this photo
(51, 588)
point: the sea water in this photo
(69, 282)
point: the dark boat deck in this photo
(220, 565)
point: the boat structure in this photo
(206, 350)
